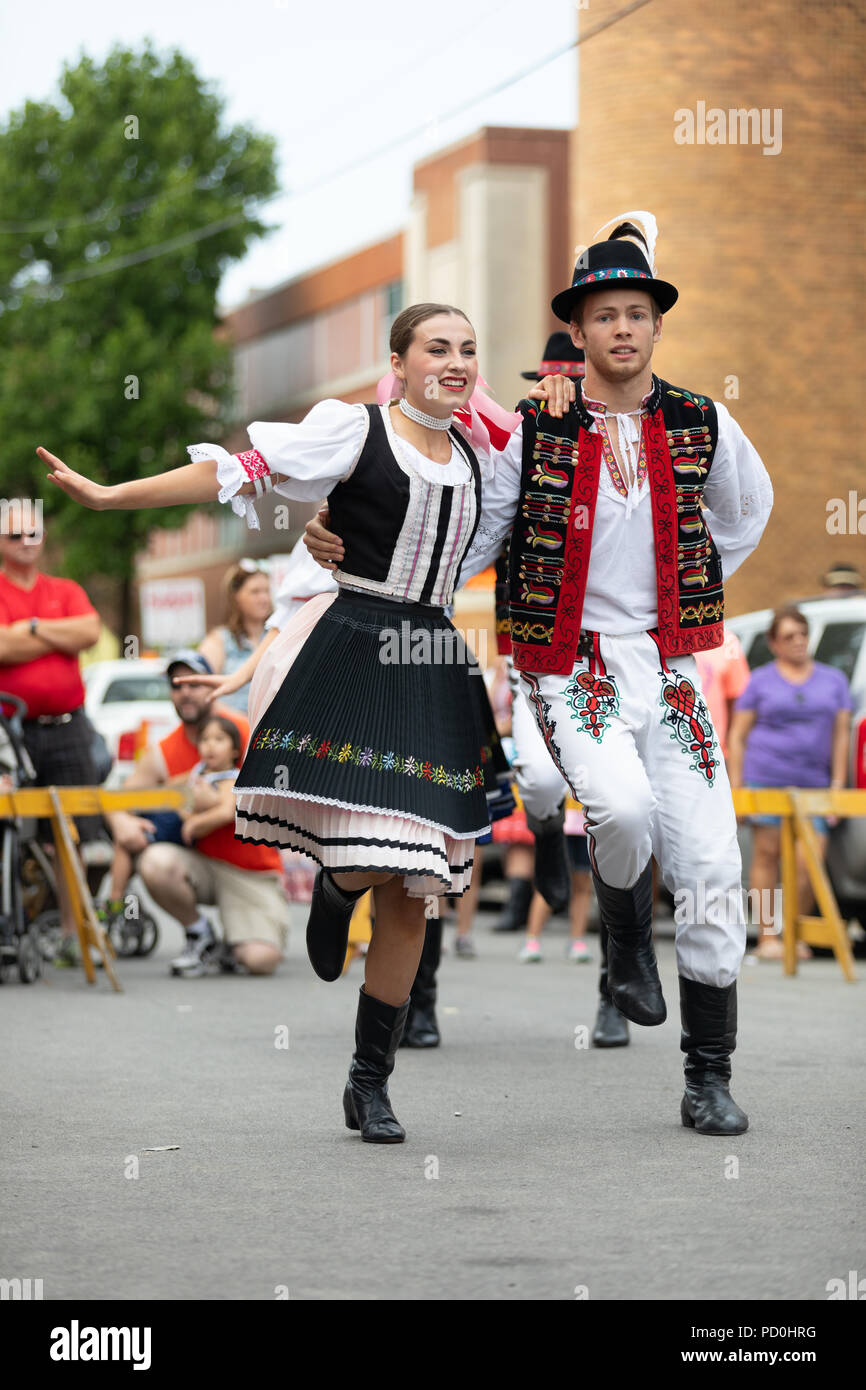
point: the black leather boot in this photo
(378, 1029)
(611, 1028)
(421, 1028)
(331, 911)
(516, 911)
(551, 869)
(709, 1018)
(632, 971)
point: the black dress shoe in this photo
(632, 969)
(611, 1029)
(366, 1106)
(421, 1028)
(709, 1019)
(331, 911)
(551, 870)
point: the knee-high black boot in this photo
(331, 911)
(551, 870)
(632, 971)
(421, 1029)
(611, 1028)
(378, 1028)
(709, 1018)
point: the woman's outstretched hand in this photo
(75, 485)
(325, 547)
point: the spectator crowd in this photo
(791, 713)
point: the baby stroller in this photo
(20, 874)
(30, 931)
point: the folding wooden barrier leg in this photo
(90, 932)
(828, 929)
(790, 905)
(360, 928)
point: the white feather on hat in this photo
(645, 222)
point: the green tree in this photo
(108, 352)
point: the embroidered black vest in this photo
(552, 535)
(368, 510)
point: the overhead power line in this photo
(187, 238)
(40, 225)
(104, 214)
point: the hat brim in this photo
(664, 294)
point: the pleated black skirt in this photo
(379, 750)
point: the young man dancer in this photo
(625, 517)
(539, 781)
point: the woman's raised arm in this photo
(194, 482)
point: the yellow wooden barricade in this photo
(794, 805)
(797, 806)
(59, 805)
(360, 929)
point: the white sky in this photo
(333, 82)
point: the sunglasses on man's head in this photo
(22, 535)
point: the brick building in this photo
(766, 249)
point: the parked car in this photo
(129, 704)
(837, 637)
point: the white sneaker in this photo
(193, 961)
(530, 951)
(579, 953)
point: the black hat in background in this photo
(561, 358)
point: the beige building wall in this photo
(495, 267)
(766, 249)
(487, 231)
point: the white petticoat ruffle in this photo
(432, 862)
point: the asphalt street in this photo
(165, 1143)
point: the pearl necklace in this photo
(430, 422)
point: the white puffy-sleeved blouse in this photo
(308, 460)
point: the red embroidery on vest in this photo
(664, 504)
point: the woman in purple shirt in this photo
(791, 727)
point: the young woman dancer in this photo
(376, 753)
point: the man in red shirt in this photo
(44, 624)
(243, 880)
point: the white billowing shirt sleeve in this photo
(309, 458)
(738, 494)
(303, 579)
(500, 495)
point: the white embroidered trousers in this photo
(633, 738)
